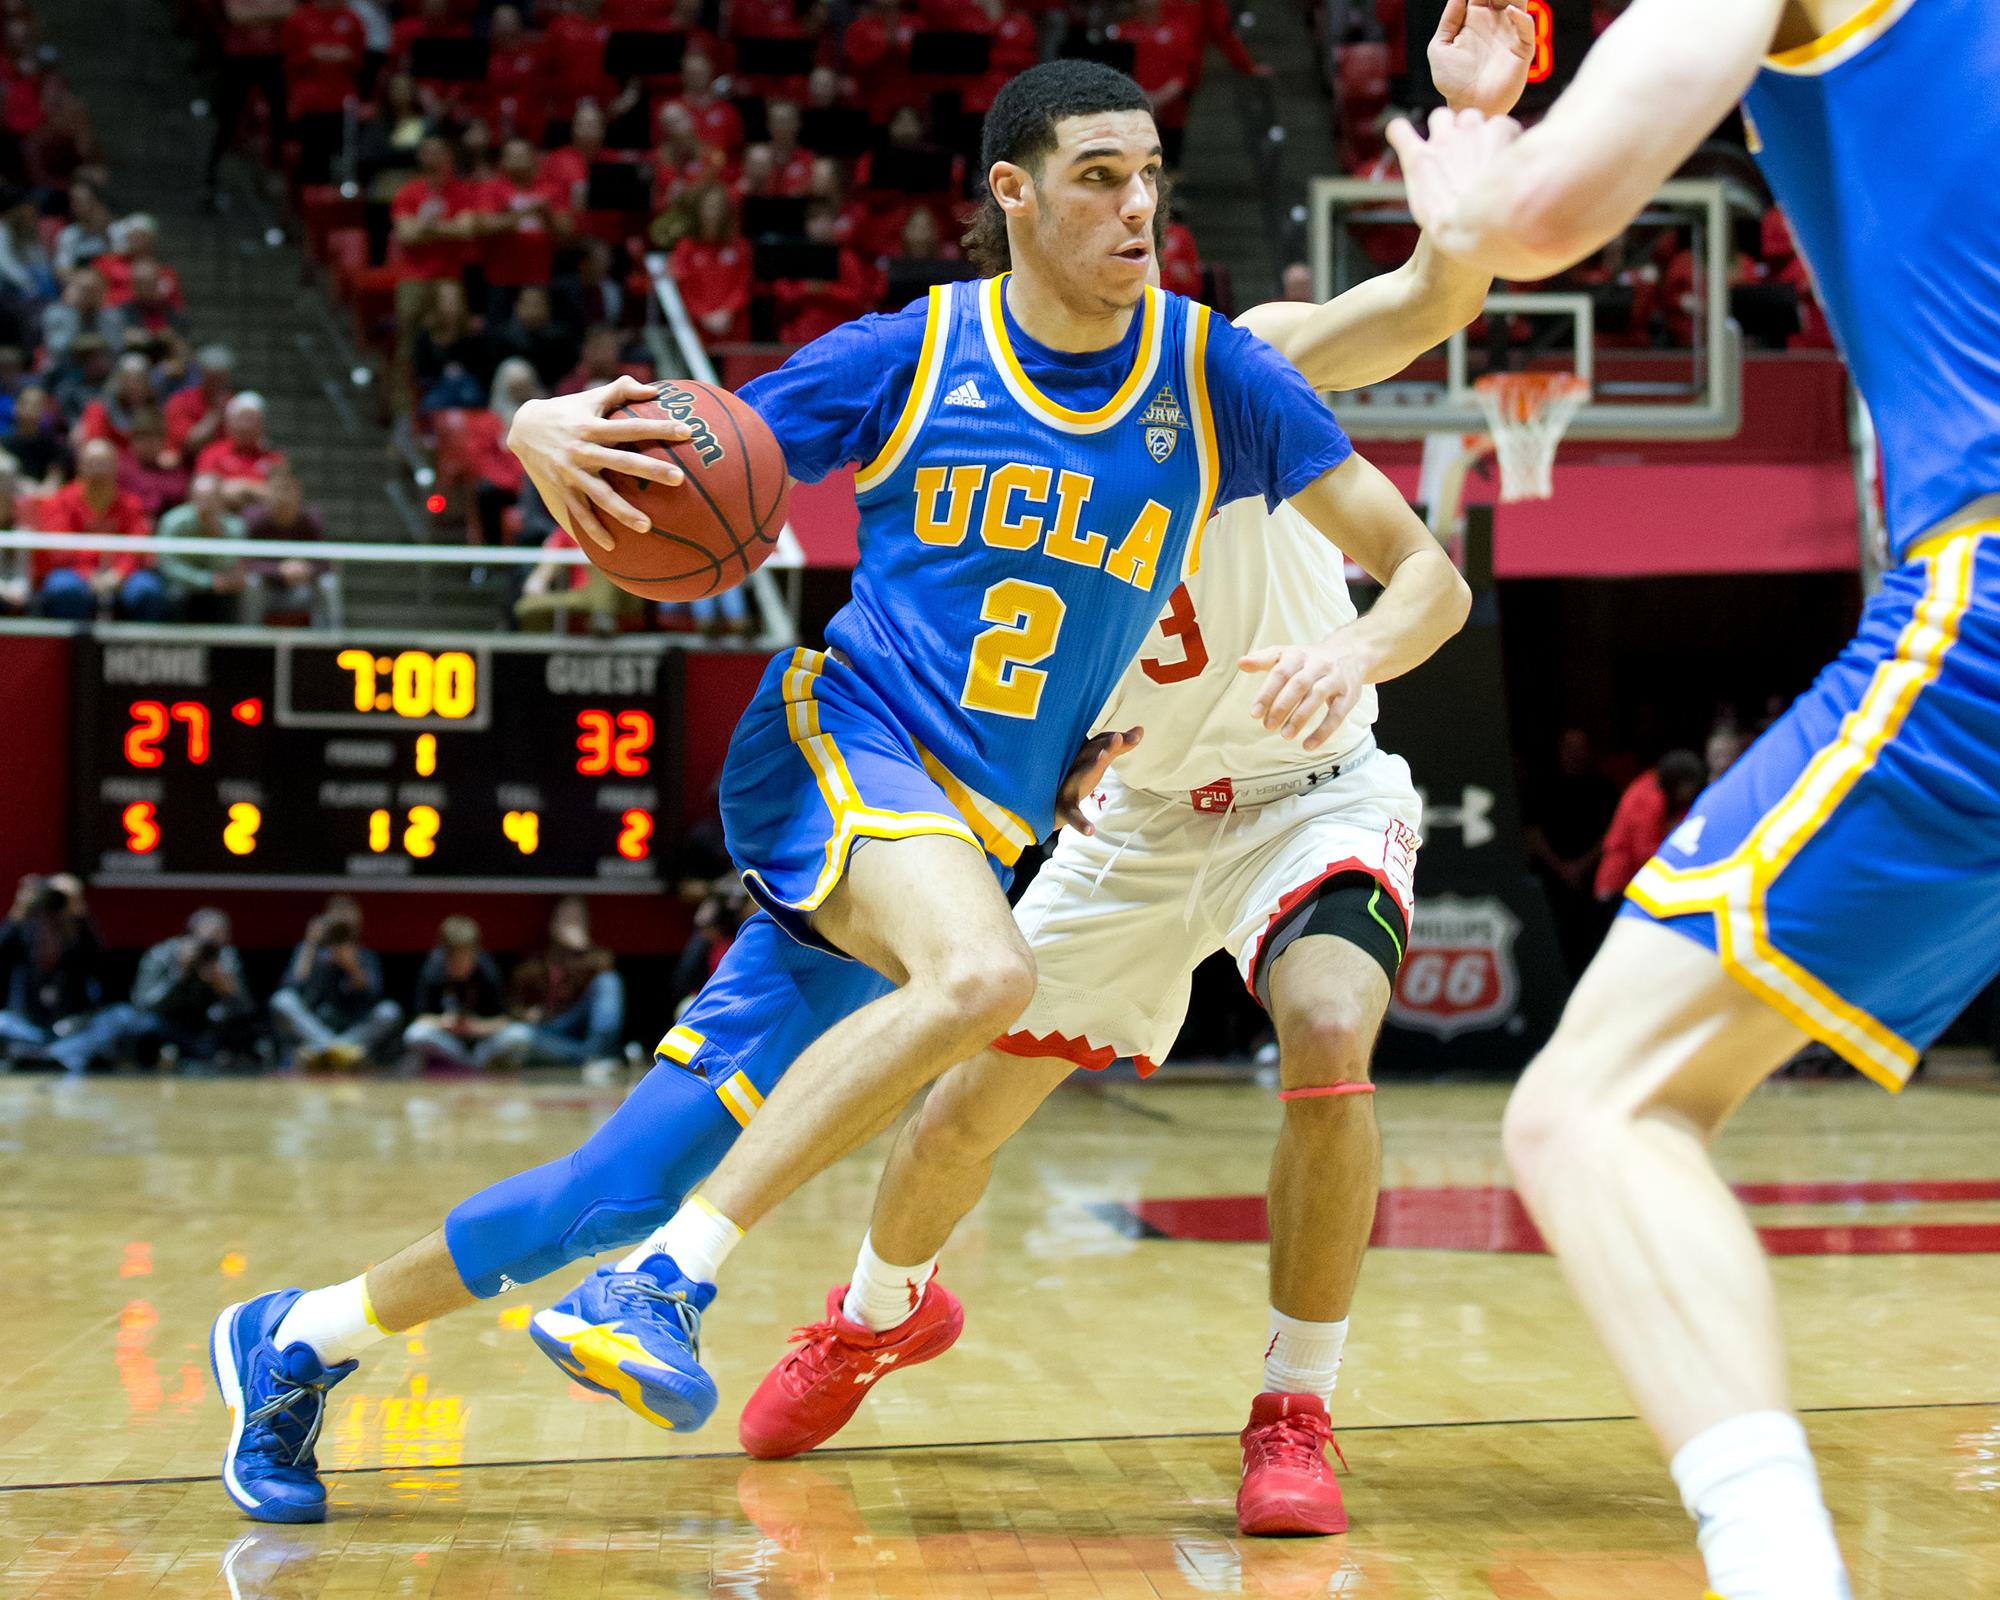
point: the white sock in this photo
(697, 1236)
(1753, 1491)
(1303, 1357)
(338, 1322)
(883, 1295)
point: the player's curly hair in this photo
(1021, 128)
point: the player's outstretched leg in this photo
(275, 1356)
(926, 910)
(1327, 998)
(1607, 1134)
(890, 1316)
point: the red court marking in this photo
(1494, 1220)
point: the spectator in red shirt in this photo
(242, 458)
(567, 171)
(151, 307)
(715, 119)
(525, 215)
(324, 50)
(253, 63)
(712, 269)
(194, 414)
(136, 240)
(1180, 262)
(829, 183)
(74, 584)
(1016, 47)
(1214, 23)
(433, 217)
(1651, 807)
(110, 415)
(678, 160)
(877, 47)
(809, 307)
(516, 92)
(791, 162)
(1166, 62)
(574, 44)
(150, 472)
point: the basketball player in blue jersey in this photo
(1039, 453)
(1842, 882)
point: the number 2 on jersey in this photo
(1003, 678)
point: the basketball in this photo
(719, 526)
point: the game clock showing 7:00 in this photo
(211, 756)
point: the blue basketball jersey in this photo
(1878, 141)
(1014, 552)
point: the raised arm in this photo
(1525, 205)
(1479, 60)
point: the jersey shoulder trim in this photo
(1840, 44)
(1195, 353)
(923, 387)
(1000, 348)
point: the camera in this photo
(336, 931)
(50, 901)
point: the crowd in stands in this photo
(799, 163)
(110, 422)
(191, 1005)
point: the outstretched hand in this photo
(1481, 53)
(1302, 682)
(1087, 771)
(568, 443)
(1450, 179)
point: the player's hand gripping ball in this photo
(720, 524)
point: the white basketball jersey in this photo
(1266, 579)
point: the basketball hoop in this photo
(1527, 413)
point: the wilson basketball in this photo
(713, 530)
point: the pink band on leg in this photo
(1320, 1091)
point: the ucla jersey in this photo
(1878, 141)
(1015, 552)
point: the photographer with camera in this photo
(330, 1012)
(192, 996)
(48, 966)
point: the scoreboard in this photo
(1563, 36)
(208, 757)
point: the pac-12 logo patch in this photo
(1163, 420)
(1460, 973)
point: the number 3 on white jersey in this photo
(1003, 678)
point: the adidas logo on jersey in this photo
(966, 394)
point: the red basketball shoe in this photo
(808, 1396)
(1287, 1485)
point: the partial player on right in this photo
(1842, 881)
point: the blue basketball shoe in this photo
(637, 1337)
(276, 1400)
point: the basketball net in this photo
(1527, 414)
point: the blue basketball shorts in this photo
(820, 764)
(1847, 869)
(768, 1000)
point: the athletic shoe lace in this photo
(646, 1295)
(1296, 1442)
(821, 1354)
(265, 1430)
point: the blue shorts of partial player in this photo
(820, 766)
(1847, 869)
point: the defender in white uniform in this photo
(1215, 833)
(1230, 825)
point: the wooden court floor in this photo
(1078, 1442)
